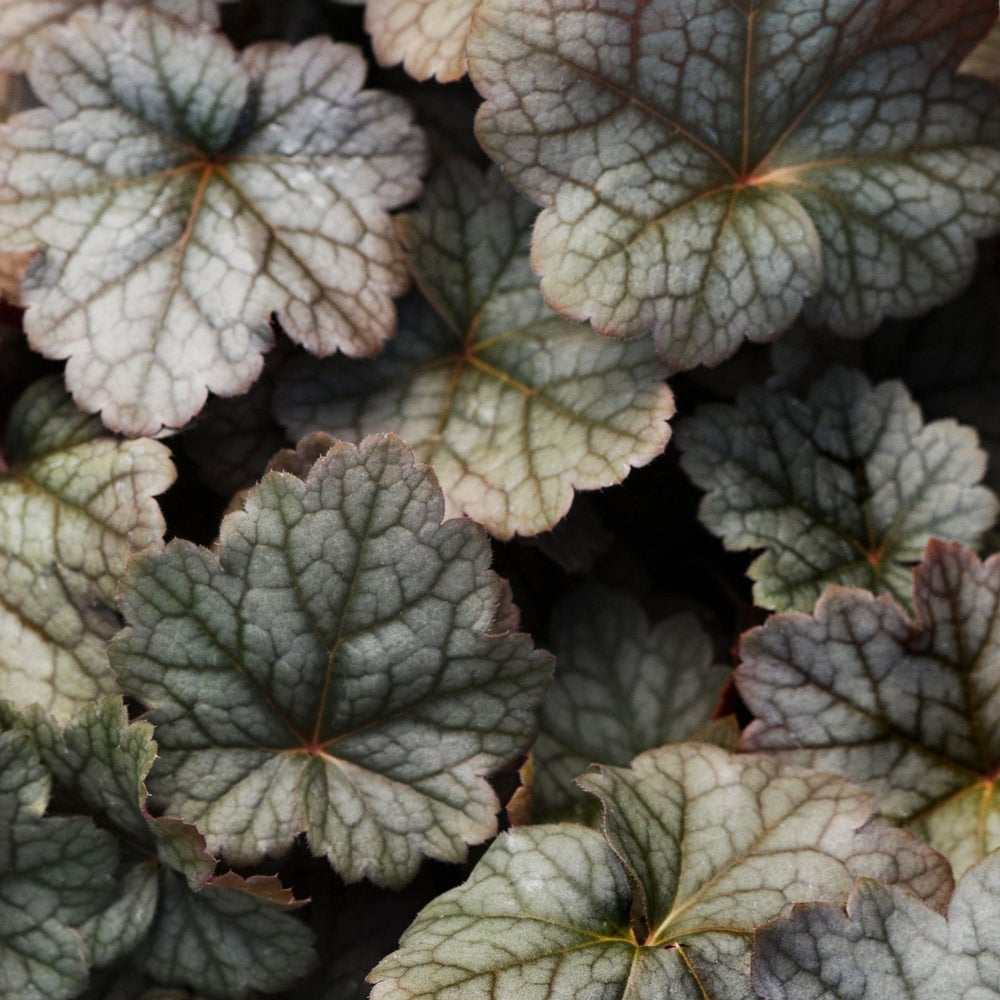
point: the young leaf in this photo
(707, 168)
(513, 406)
(331, 670)
(23, 22)
(715, 845)
(427, 36)
(845, 487)
(908, 709)
(621, 687)
(887, 946)
(74, 504)
(213, 192)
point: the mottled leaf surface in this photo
(55, 874)
(182, 194)
(949, 360)
(427, 36)
(172, 916)
(513, 406)
(907, 708)
(887, 946)
(845, 486)
(716, 845)
(74, 504)
(330, 670)
(23, 22)
(622, 686)
(708, 168)
(224, 941)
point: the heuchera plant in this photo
(368, 624)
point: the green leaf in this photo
(75, 503)
(224, 941)
(714, 844)
(99, 763)
(846, 486)
(166, 913)
(207, 200)
(709, 168)
(513, 406)
(55, 874)
(23, 23)
(909, 709)
(886, 946)
(24, 783)
(621, 687)
(427, 36)
(330, 670)
(949, 375)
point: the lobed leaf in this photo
(844, 487)
(886, 946)
(331, 670)
(173, 917)
(204, 200)
(23, 22)
(75, 503)
(622, 686)
(427, 36)
(513, 406)
(709, 169)
(55, 873)
(909, 709)
(714, 845)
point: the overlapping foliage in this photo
(270, 722)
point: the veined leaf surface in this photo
(707, 168)
(172, 916)
(427, 36)
(887, 946)
(23, 22)
(513, 406)
(846, 486)
(55, 873)
(909, 709)
(210, 191)
(75, 503)
(622, 686)
(331, 670)
(715, 846)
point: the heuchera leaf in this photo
(330, 671)
(908, 709)
(621, 687)
(887, 946)
(846, 486)
(74, 504)
(708, 167)
(715, 845)
(427, 36)
(23, 22)
(55, 873)
(176, 919)
(211, 191)
(513, 406)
